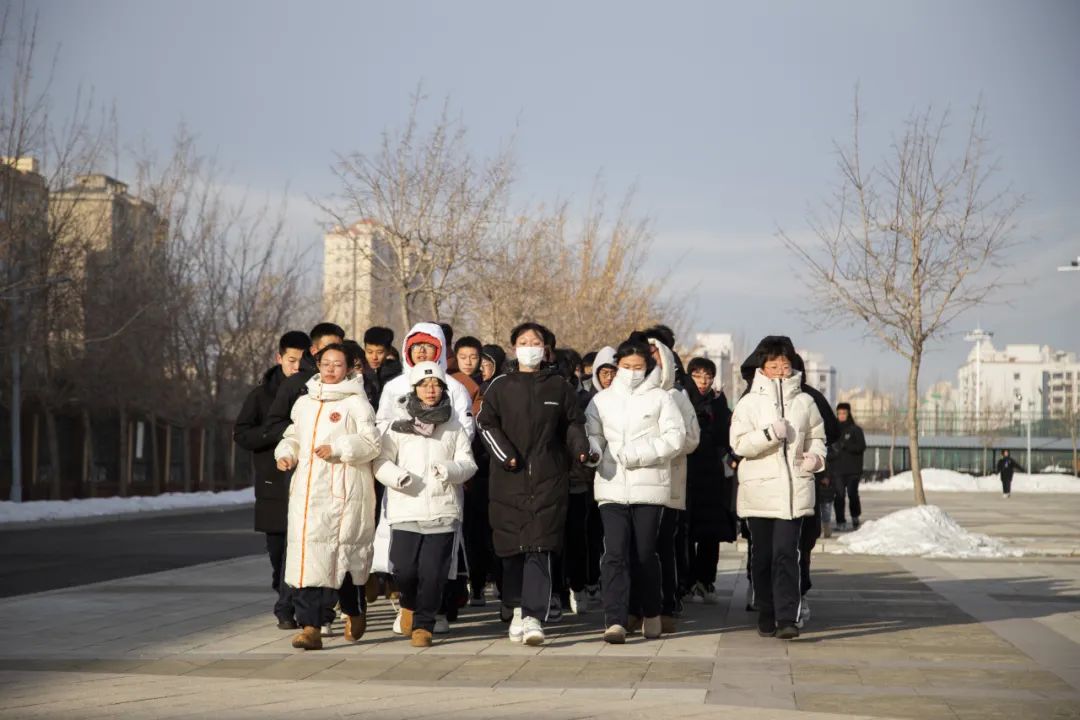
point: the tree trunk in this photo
(56, 487)
(35, 451)
(186, 455)
(89, 489)
(121, 464)
(232, 466)
(913, 426)
(210, 437)
(155, 474)
(166, 471)
(202, 458)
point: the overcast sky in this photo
(723, 114)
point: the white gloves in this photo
(812, 463)
(782, 429)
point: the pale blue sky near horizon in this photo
(722, 114)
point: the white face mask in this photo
(529, 357)
(630, 379)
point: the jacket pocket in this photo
(337, 481)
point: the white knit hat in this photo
(424, 370)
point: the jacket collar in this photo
(792, 385)
(345, 388)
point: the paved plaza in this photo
(889, 637)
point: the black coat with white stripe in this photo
(536, 419)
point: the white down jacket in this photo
(331, 502)
(406, 466)
(636, 433)
(771, 482)
(389, 407)
(666, 368)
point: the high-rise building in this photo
(720, 348)
(820, 375)
(1019, 383)
(356, 293)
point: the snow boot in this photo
(420, 638)
(308, 639)
(355, 625)
(406, 616)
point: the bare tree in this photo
(907, 246)
(432, 205)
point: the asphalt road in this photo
(46, 558)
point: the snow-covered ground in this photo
(39, 510)
(925, 531)
(949, 481)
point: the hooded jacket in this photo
(667, 369)
(637, 433)
(771, 482)
(425, 474)
(271, 484)
(389, 408)
(535, 419)
(331, 502)
(846, 452)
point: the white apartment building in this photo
(820, 375)
(354, 294)
(720, 348)
(1021, 382)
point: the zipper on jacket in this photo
(787, 465)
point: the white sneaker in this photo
(696, 594)
(442, 625)
(804, 614)
(652, 628)
(709, 595)
(327, 630)
(517, 629)
(579, 602)
(397, 624)
(533, 631)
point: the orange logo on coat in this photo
(335, 417)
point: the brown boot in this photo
(355, 625)
(406, 622)
(310, 638)
(668, 624)
(421, 638)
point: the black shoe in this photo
(506, 613)
(287, 625)
(855, 523)
(787, 631)
(766, 625)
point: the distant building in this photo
(720, 348)
(820, 375)
(867, 404)
(1019, 383)
(356, 293)
(939, 410)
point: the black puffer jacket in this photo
(271, 485)
(536, 419)
(280, 416)
(375, 380)
(710, 495)
(846, 451)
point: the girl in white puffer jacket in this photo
(425, 459)
(778, 432)
(636, 429)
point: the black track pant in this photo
(631, 533)
(1006, 483)
(847, 485)
(811, 531)
(421, 566)
(704, 557)
(595, 531)
(576, 550)
(775, 567)
(477, 531)
(315, 605)
(526, 583)
(275, 548)
(669, 565)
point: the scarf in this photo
(423, 419)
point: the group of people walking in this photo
(605, 482)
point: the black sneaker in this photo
(766, 625)
(287, 625)
(787, 631)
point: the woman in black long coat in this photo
(534, 429)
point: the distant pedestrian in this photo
(846, 466)
(1006, 466)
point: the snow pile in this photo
(925, 531)
(950, 481)
(39, 510)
